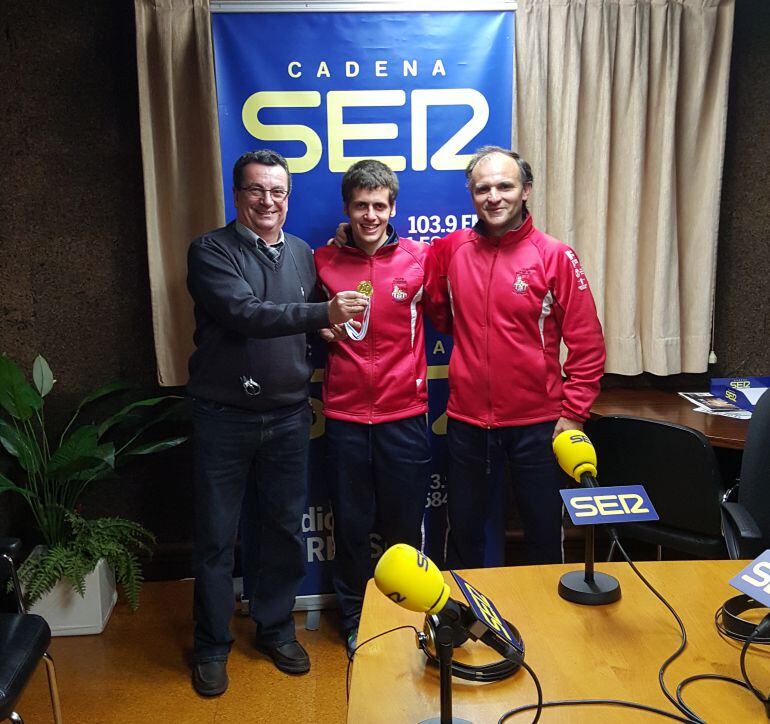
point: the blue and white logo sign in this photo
(616, 504)
(754, 580)
(487, 612)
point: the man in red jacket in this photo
(375, 387)
(510, 295)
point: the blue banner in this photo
(419, 91)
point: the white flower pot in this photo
(69, 614)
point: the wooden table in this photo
(670, 407)
(577, 652)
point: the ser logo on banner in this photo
(446, 158)
(616, 504)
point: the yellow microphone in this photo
(411, 580)
(576, 456)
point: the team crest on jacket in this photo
(521, 285)
(399, 292)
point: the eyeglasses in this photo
(257, 192)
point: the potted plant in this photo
(52, 471)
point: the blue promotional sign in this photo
(616, 504)
(315, 87)
(754, 579)
(487, 612)
(741, 391)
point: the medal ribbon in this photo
(358, 334)
(365, 287)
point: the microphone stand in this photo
(591, 588)
(445, 652)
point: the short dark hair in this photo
(369, 174)
(525, 170)
(264, 157)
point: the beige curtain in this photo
(180, 156)
(621, 108)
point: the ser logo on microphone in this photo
(422, 563)
(579, 437)
(616, 504)
(396, 597)
(754, 579)
(486, 612)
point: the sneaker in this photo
(289, 656)
(351, 641)
(209, 678)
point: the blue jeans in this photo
(378, 478)
(234, 448)
(474, 452)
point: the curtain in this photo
(181, 162)
(621, 108)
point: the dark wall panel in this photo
(74, 274)
(742, 312)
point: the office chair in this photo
(24, 639)
(753, 486)
(679, 471)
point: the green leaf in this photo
(153, 447)
(21, 446)
(7, 485)
(101, 471)
(127, 411)
(80, 451)
(17, 396)
(108, 389)
(86, 470)
(42, 376)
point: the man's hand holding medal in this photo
(342, 308)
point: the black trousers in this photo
(474, 454)
(234, 448)
(378, 477)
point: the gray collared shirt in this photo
(271, 251)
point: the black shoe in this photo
(351, 641)
(289, 656)
(210, 678)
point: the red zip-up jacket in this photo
(509, 302)
(382, 377)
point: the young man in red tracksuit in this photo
(375, 387)
(510, 295)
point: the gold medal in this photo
(365, 288)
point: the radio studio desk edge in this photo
(578, 652)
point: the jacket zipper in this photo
(486, 338)
(370, 338)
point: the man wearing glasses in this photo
(251, 283)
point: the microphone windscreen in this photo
(411, 579)
(575, 453)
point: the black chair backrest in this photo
(754, 490)
(676, 465)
